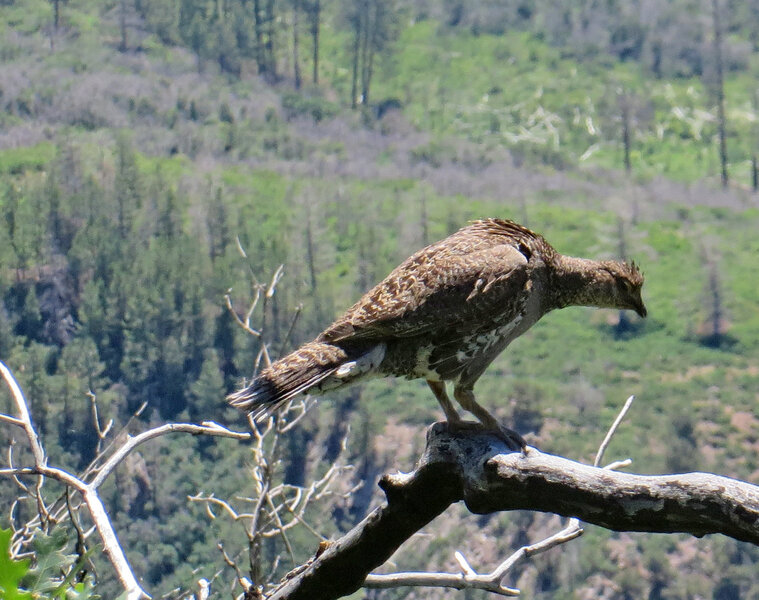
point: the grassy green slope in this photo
(517, 91)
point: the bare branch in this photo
(102, 432)
(241, 579)
(11, 420)
(275, 280)
(25, 419)
(291, 328)
(280, 528)
(34, 441)
(618, 464)
(244, 324)
(244, 254)
(204, 589)
(100, 518)
(223, 504)
(206, 428)
(480, 470)
(612, 431)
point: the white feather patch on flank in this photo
(504, 330)
(346, 369)
(423, 358)
(363, 365)
(422, 366)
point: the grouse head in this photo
(621, 284)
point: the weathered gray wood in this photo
(695, 503)
(476, 467)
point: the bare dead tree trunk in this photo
(755, 133)
(259, 27)
(626, 134)
(271, 66)
(365, 43)
(123, 25)
(296, 60)
(315, 25)
(715, 293)
(720, 92)
(356, 55)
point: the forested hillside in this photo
(158, 155)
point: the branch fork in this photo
(488, 477)
(89, 490)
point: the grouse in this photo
(443, 315)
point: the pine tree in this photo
(208, 391)
(127, 186)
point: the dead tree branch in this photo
(492, 582)
(89, 490)
(482, 472)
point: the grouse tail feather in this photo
(298, 372)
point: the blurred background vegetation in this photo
(142, 141)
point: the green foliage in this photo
(296, 105)
(26, 158)
(44, 579)
(11, 571)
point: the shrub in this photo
(297, 105)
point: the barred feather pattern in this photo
(294, 374)
(445, 313)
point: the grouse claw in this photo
(512, 438)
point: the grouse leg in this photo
(438, 388)
(465, 397)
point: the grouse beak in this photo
(639, 307)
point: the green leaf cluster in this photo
(54, 573)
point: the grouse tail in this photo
(296, 373)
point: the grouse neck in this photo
(581, 282)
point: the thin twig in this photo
(101, 432)
(293, 322)
(242, 580)
(612, 431)
(281, 529)
(244, 324)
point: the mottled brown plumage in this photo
(444, 314)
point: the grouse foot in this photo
(510, 437)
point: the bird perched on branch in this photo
(443, 315)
